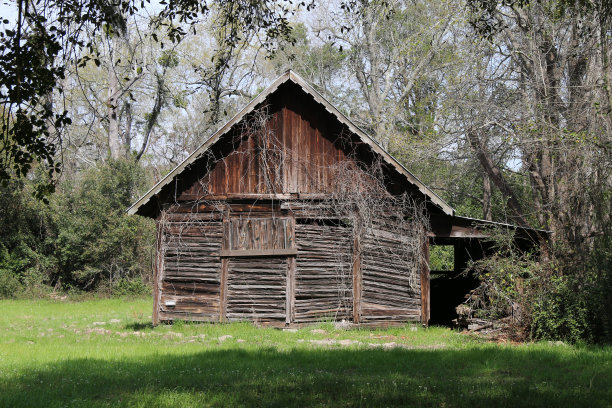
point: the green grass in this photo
(53, 355)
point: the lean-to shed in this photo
(290, 214)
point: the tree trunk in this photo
(498, 178)
(114, 144)
(486, 197)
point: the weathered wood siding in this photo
(253, 231)
(323, 276)
(191, 270)
(390, 289)
(257, 289)
(293, 154)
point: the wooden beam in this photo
(456, 231)
(425, 291)
(223, 290)
(234, 196)
(357, 278)
(290, 306)
(157, 271)
(224, 269)
(257, 252)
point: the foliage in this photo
(505, 277)
(35, 51)
(25, 252)
(574, 303)
(82, 240)
(559, 312)
(546, 299)
(132, 287)
(97, 243)
(9, 284)
(441, 257)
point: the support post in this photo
(224, 268)
(158, 269)
(425, 289)
(290, 305)
(357, 278)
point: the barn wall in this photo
(293, 154)
(257, 289)
(323, 276)
(209, 271)
(390, 274)
(191, 269)
(267, 236)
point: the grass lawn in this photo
(105, 353)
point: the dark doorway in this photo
(449, 281)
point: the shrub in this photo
(98, 245)
(82, 240)
(131, 287)
(563, 298)
(10, 286)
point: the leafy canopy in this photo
(49, 35)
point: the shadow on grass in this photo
(486, 377)
(139, 326)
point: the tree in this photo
(34, 53)
(555, 58)
(395, 50)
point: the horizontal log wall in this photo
(390, 277)
(323, 275)
(256, 289)
(312, 257)
(191, 271)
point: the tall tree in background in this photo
(394, 52)
(34, 52)
(556, 58)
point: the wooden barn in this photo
(290, 215)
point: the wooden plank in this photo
(290, 307)
(158, 271)
(357, 278)
(241, 253)
(224, 269)
(425, 295)
(295, 150)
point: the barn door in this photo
(190, 277)
(258, 255)
(324, 270)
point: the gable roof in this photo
(294, 78)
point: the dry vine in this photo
(356, 216)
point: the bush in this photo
(559, 312)
(82, 240)
(574, 304)
(564, 298)
(131, 287)
(10, 286)
(98, 244)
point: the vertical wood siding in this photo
(246, 233)
(293, 155)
